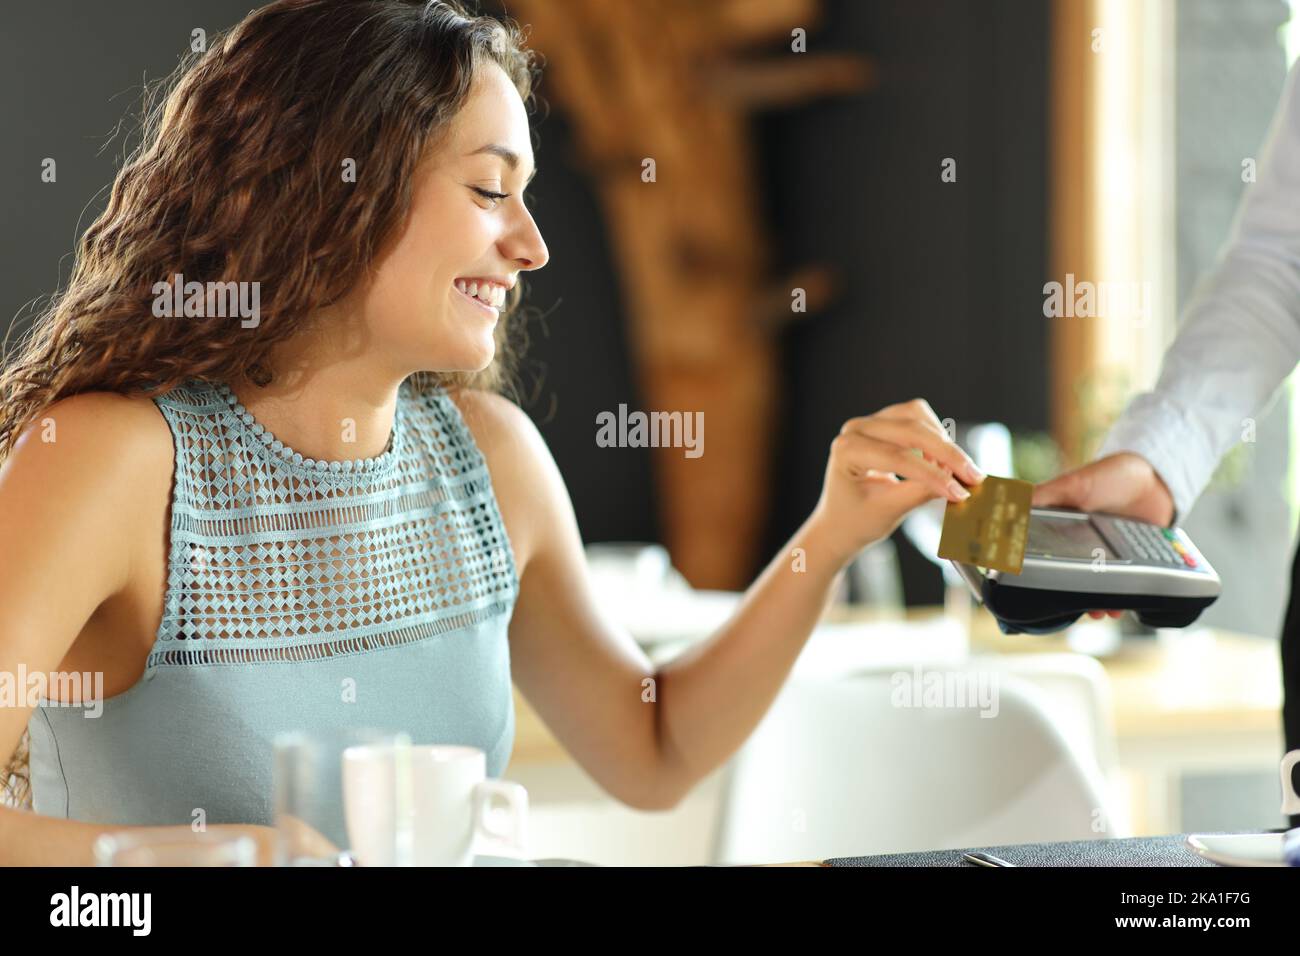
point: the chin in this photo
(469, 359)
(486, 354)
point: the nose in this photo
(525, 245)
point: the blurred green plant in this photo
(1102, 397)
(1035, 456)
(1232, 467)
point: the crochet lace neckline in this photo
(370, 467)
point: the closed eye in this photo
(488, 194)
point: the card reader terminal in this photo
(1077, 562)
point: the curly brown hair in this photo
(237, 175)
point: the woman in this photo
(319, 512)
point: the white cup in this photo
(428, 805)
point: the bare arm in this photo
(648, 736)
(70, 510)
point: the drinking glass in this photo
(308, 786)
(174, 846)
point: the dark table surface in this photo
(1138, 851)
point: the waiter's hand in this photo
(1120, 484)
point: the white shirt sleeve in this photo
(1240, 334)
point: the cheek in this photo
(437, 249)
(405, 282)
(413, 289)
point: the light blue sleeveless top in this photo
(301, 595)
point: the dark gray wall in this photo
(943, 293)
(71, 75)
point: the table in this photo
(1138, 851)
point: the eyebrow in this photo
(506, 153)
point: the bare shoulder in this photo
(100, 432)
(493, 419)
(94, 451)
(510, 442)
(525, 478)
(86, 482)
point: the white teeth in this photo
(489, 293)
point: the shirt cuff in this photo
(1179, 453)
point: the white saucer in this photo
(1239, 849)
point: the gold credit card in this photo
(989, 528)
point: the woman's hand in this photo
(863, 498)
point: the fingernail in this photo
(958, 491)
(973, 473)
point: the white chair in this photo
(844, 768)
(1075, 691)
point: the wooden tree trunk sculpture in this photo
(660, 100)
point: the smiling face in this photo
(432, 303)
